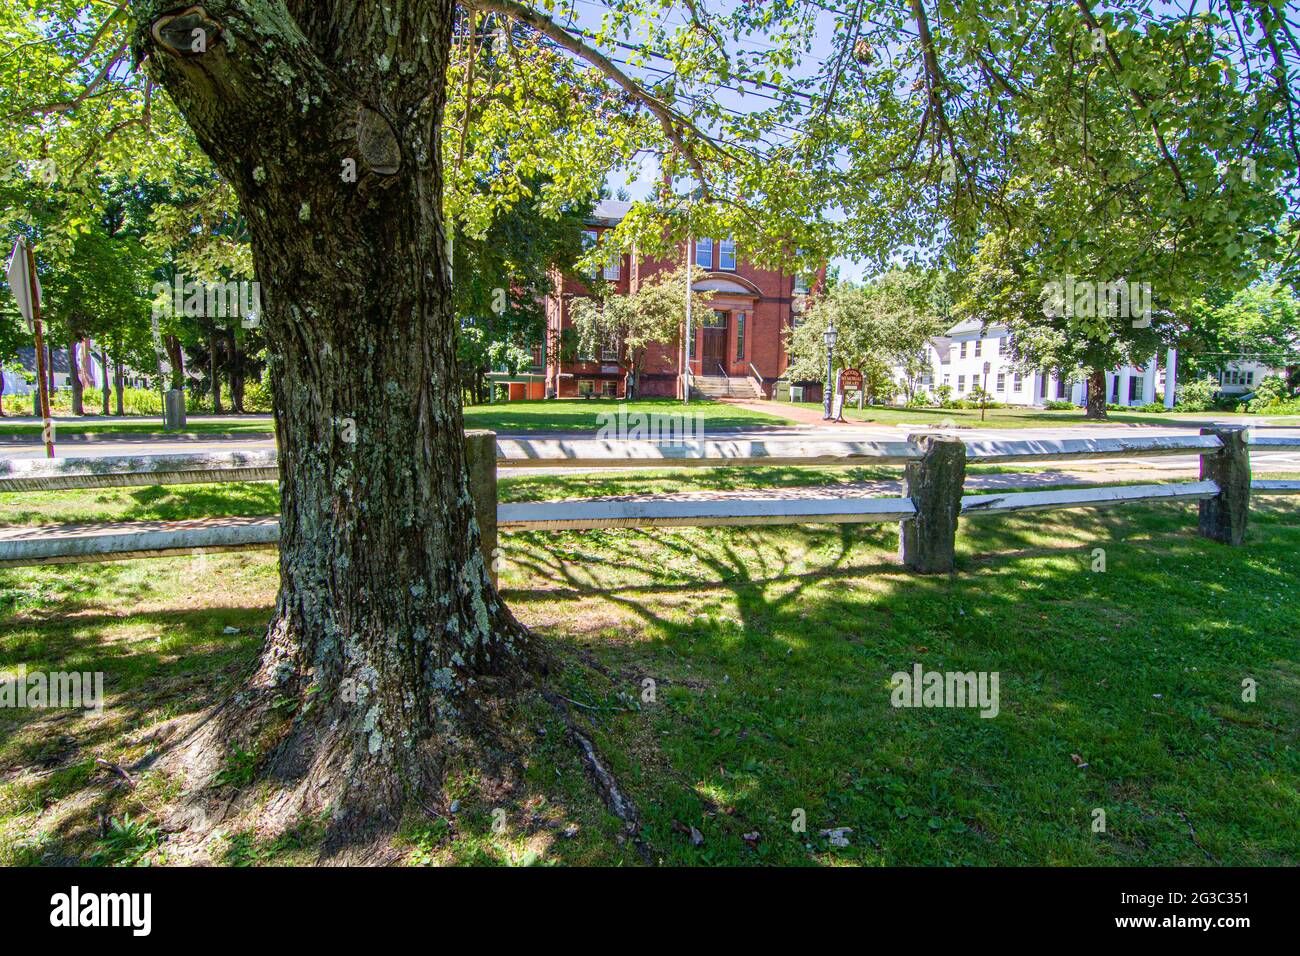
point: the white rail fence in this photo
(927, 511)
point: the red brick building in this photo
(739, 344)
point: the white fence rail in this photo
(51, 474)
(1222, 462)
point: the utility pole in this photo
(27, 290)
(690, 331)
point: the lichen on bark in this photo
(383, 586)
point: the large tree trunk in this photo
(1096, 394)
(388, 632)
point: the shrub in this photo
(1270, 392)
(1059, 405)
(257, 397)
(1196, 396)
(139, 401)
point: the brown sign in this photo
(850, 380)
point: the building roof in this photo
(609, 212)
(27, 358)
(966, 326)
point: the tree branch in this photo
(672, 121)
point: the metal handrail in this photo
(758, 381)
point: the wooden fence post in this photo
(1223, 517)
(481, 466)
(928, 542)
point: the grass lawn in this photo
(129, 426)
(577, 414)
(559, 415)
(1038, 417)
(771, 650)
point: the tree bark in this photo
(235, 369)
(177, 359)
(103, 371)
(214, 343)
(1096, 394)
(387, 633)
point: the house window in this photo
(978, 343)
(588, 241)
(1133, 384)
(963, 350)
(586, 387)
(613, 268)
(740, 336)
(609, 351)
(727, 254)
(800, 285)
(1114, 391)
(1250, 377)
(539, 355)
(609, 388)
(704, 253)
(1017, 381)
(946, 379)
(961, 383)
(1002, 381)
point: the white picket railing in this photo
(109, 542)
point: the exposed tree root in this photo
(255, 764)
(619, 803)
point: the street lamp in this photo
(829, 337)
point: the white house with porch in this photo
(958, 360)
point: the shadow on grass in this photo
(771, 650)
(149, 503)
(1119, 690)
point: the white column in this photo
(1171, 377)
(1149, 381)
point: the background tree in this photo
(1260, 323)
(885, 324)
(504, 276)
(655, 312)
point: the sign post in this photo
(848, 380)
(26, 288)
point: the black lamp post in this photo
(829, 337)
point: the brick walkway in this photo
(803, 414)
